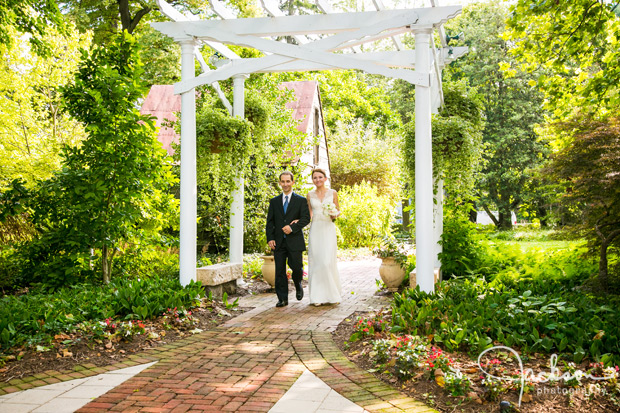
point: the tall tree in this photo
(34, 127)
(113, 190)
(512, 107)
(578, 44)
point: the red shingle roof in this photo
(162, 103)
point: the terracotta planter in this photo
(269, 270)
(391, 273)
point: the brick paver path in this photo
(250, 362)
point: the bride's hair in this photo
(319, 170)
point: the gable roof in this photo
(162, 103)
(306, 92)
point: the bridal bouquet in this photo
(330, 210)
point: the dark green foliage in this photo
(461, 245)
(36, 317)
(457, 138)
(10, 268)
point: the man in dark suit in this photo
(288, 214)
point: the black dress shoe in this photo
(282, 303)
(299, 292)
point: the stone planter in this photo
(269, 270)
(391, 273)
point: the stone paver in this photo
(66, 396)
(265, 360)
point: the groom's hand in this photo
(287, 229)
(272, 244)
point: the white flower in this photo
(329, 209)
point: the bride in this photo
(323, 278)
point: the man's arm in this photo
(304, 217)
(270, 227)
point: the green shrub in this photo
(147, 260)
(35, 317)
(10, 264)
(252, 266)
(461, 245)
(366, 216)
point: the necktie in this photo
(285, 203)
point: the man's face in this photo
(286, 183)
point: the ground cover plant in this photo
(34, 319)
(529, 295)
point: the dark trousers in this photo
(296, 264)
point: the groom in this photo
(286, 238)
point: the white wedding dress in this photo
(323, 278)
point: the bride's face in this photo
(318, 179)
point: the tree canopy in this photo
(34, 126)
(577, 43)
(29, 16)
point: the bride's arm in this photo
(336, 203)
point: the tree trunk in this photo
(473, 214)
(105, 264)
(505, 220)
(107, 259)
(490, 214)
(406, 222)
(127, 22)
(603, 270)
(543, 216)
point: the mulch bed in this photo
(542, 399)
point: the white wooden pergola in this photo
(323, 41)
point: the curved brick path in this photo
(249, 363)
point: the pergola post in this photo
(438, 222)
(425, 240)
(237, 205)
(187, 249)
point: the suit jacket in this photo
(276, 220)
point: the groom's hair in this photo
(287, 173)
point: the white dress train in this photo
(323, 278)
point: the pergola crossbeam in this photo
(306, 24)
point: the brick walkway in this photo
(251, 361)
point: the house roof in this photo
(305, 93)
(162, 103)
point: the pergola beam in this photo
(306, 24)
